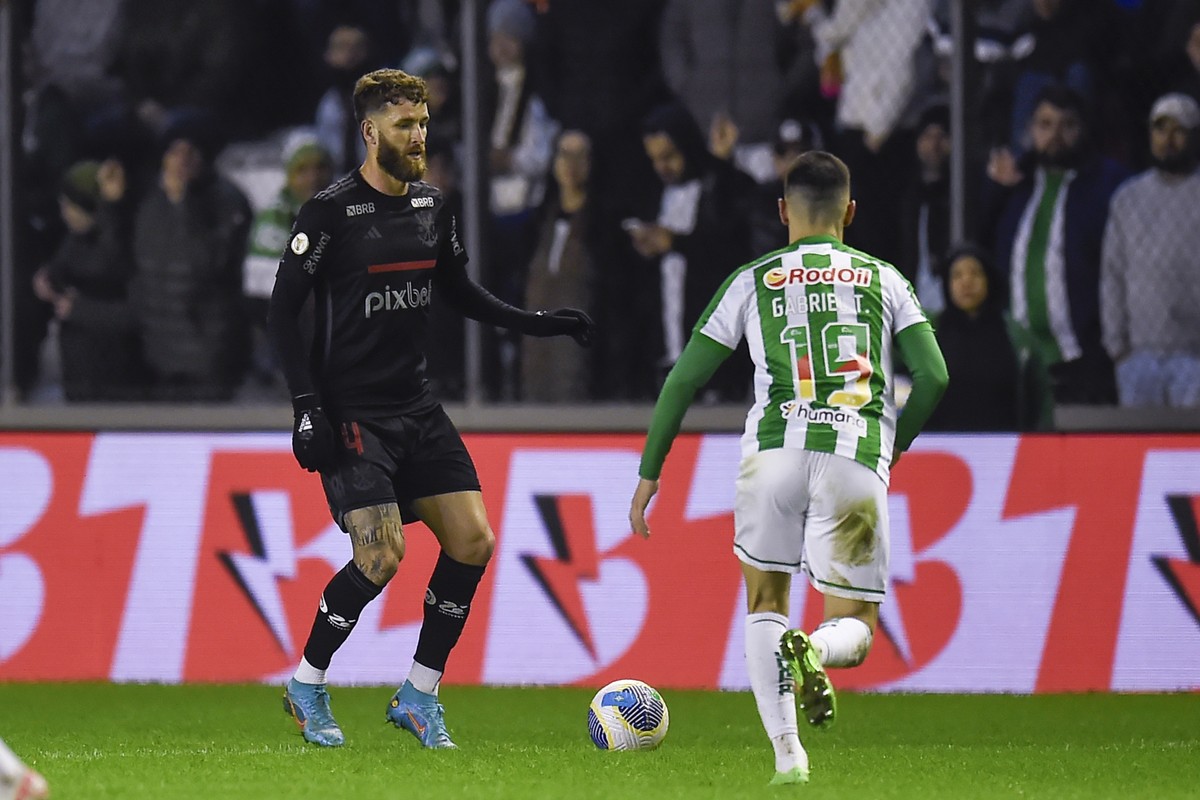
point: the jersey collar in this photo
(821, 238)
(398, 201)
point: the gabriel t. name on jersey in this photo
(372, 261)
(819, 318)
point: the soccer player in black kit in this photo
(374, 250)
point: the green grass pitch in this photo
(99, 741)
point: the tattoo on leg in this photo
(376, 565)
(378, 538)
(365, 536)
(374, 524)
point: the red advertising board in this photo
(1019, 564)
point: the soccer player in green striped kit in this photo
(821, 320)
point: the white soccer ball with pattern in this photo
(628, 715)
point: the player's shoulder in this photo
(338, 191)
(887, 270)
(425, 195)
(861, 255)
(742, 279)
(326, 204)
(764, 260)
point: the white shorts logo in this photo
(300, 243)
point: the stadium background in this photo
(189, 531)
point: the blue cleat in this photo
(308, 704)
(421, 715)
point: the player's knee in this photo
(859, 654)
(378, 564)
(846, 640)
(483, 546)
(476, 548)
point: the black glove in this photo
(312, 435)
(565, 322)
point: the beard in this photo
(399, 165)
(1176, 163)
(1067, 158)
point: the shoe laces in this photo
(437, 720)
(321, 714)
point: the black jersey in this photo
(373, 263)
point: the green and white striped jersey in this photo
(818, 318)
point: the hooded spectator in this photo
(86, 283)
(189, 243)
(995, 384)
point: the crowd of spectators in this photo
(634, 154)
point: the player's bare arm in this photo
(646, 489)
(697, 363)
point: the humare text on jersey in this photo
(398, 299)
(422, 202)
(837, 418)
(354, 209)
(779, 277)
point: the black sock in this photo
(343, 600)
(447, 602)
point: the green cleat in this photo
(814, 691)
(793, 777)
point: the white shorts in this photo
(816, 513)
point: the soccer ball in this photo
(628, 715)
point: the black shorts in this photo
(397, 460)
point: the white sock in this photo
(424, 679)
(789, 753)
(842, 641)
(307, 673)
(774, 689)
(10, 765)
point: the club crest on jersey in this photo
(426, 231)
(300, 243)
(779, 277)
